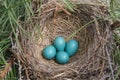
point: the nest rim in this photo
(51, 68)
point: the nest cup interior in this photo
(64, 25)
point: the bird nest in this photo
(86, 25)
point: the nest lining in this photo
(90, 61)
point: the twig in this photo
(98, 32)
(61, 7)
(91, 3)
(19, 70)
(6, 69)
(73, 70)
(58, 75)
(110, 64)
(26, 71)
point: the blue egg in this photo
(62, 57)
(71, 47)
(49, 52)
(59, 43)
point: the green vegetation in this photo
(11, 11)
(115, 15)
(115, 10)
